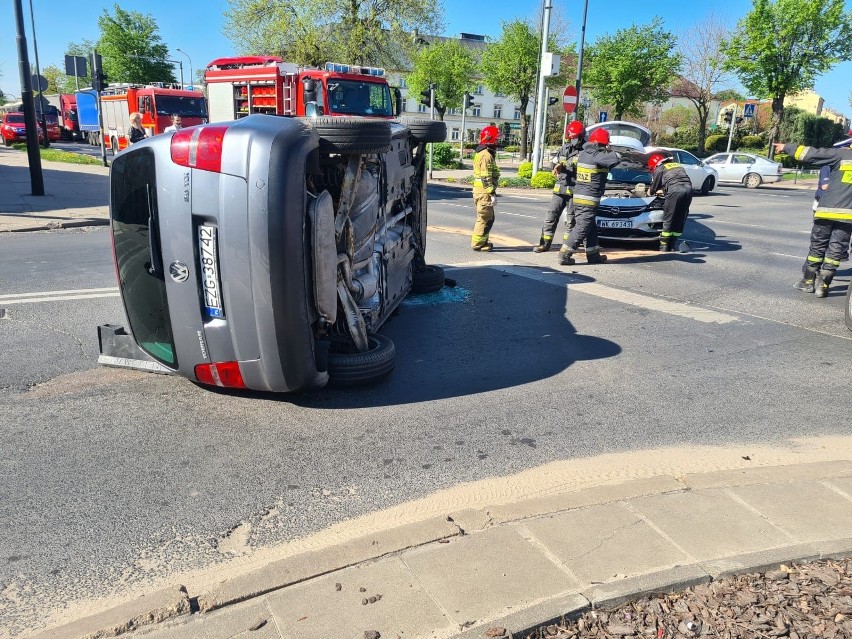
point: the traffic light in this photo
(552, 101)
(426, 100)
(728, 116)
(739, 120)
(100, 81)
(468, 100)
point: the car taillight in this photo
(225, 374)
(199, 147)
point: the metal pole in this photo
(431, 117)
(33, 154)
(463, 130)
(45, 141)
(191, 80)
(731, 127)
(541, 105)
(580, 60)
(95, 70)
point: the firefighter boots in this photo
(666, 244)
(543, 245)
(822, 283)
(595, 257)
(806, 284)
(565, 258)
(488, 246)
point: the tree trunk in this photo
(440, 113)
(777, 112)
(524, 126)
(703, 113)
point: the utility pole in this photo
(45, 141)
(580, 63)
(541, 103)
(431, 117)
(33, 154)
(731, 127)
(463, 130)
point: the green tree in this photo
(730, 95)
(781, 46)
(313, 32)
(132, 49)
(83, 48)
(510, 66)
(447, 64)
(632, 66)
(702, 74)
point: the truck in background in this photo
(65, 105)
(155, 103)
(239, 86)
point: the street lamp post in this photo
(541, 104)
(191, 80)
(45, 141)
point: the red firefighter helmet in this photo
(599, 136)
(489, 135)
(656, 158)
(574, 130)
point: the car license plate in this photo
(209, 262)
(615, 224)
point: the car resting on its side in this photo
(265, 253)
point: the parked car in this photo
(266, 252)
(744, 168)
(53, 130)
(704, 178)
(13, 128)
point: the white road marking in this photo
(58, 296)
(796, 257)
(498, 211)
(679, 309)
(754, 226)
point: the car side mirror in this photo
(313, 110)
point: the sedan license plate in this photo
(209, 261)
(615, 224)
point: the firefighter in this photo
(485, 174)
(832, 218)
(593, 164)
(671, 180)
(565, 171)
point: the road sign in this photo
(569, 99)
(748, 110)
(75, 66)
(602, 116)
(39, 83)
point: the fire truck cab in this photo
(239, 86)
(155, 103)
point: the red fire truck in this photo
(237, 87)
(155, 103)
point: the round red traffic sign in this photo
(569, 99)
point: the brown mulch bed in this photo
(801, 601)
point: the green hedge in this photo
(511, 148)
(525, 169)
(543, 180)
(513, 182)
(716, 143)
(751, 142)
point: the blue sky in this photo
(197, 29)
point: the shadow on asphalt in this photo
(494, 330)
(78, 190)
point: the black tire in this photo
(752, 180)
(428, 280)
(358, 369)
(849, 307)
(708, 185)
(7, 142)
(426, 130)
(352, 135)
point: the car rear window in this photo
(133, 209)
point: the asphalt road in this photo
(116, 479)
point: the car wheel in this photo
(428, 280)
(7, 142)
(849, 307)
(352, 135)
(708, 185)
(346, 368)
(426, 130)
(752, 180)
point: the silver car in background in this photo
(744, 168)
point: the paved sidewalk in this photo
(515, 566)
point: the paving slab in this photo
(251, 619)
(807, 510)
(768, 474)
(599, 543)
(709, 523)
(317, 609)
(488, 574)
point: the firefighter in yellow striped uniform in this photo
(832, 218)
(485, 175)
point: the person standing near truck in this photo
(176, 124)
(137, 133)
(832, 226)
(485, 174)
(565, 171)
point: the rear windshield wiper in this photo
(155, 266)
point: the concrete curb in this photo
(53, 226)
(176, 604)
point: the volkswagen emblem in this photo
(179, 271)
